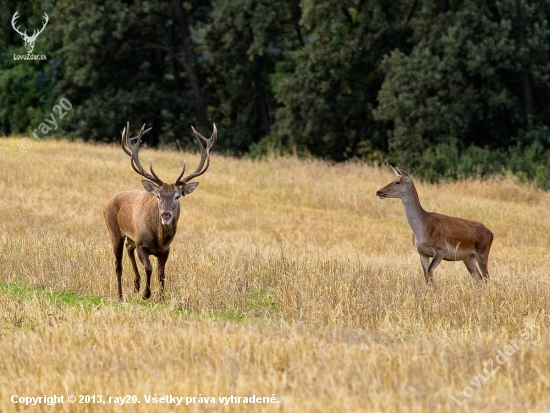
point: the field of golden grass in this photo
(287, 278)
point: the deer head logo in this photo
(29, 40)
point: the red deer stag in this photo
(148, 219)
(440, 236)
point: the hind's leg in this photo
(470, 263)
(482, 260)
(425, 261)
(436, 260)
(482, 256)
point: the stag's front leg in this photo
(131, 247)
(143, 255)
(161, 263)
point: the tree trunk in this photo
(411, 13)
(525, 75)
(528, 96)
(190, 62)
(176, 107)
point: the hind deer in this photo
(440, 236)
(148, 219)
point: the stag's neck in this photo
(166, 233)
(416, 215)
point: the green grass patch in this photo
(264, 298)
(229, 315)
(20, 291)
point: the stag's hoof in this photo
(136, 287)
(146, 294)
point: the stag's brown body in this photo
(147, 220)
(135, 215)
(441, 236)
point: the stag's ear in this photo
(186, 189)
(150, 187)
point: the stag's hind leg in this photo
(117, 242)
(118, 248)
(131, 247)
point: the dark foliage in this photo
(446, 88)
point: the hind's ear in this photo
(405, 175)
(397, 171)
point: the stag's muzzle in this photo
(166, 217)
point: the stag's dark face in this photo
(168, 202)
(168, 196)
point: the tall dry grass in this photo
(337, 315)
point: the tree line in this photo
(445, 88)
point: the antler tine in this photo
(14, 18)
(132, 149)
(152, 171)
(205, 155)
(124, 140)
(182, 171)
(36, 32)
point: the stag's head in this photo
(398, 188)
(29, 40)
(168, 195)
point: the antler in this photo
(132, 150)
(34, 33)
(205, 156)
(14, 18)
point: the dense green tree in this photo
(436, 85)
(115, 61)
(328, 88)
(477, 75)
(246, 39)
(118, 65)
(25, 86)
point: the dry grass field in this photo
(287, 278)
